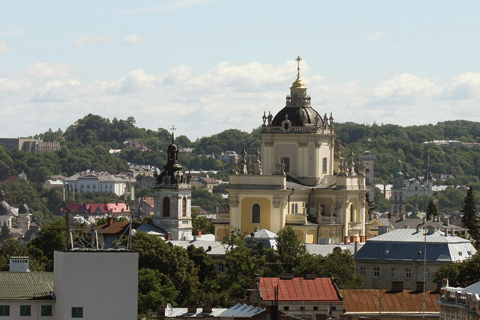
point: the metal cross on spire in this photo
(173, 132)
(298, 68)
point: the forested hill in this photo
(91, 137)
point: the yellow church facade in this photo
(299, 179)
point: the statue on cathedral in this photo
(264, 118)
(233, 165)
(243, 163)
(270, 118)
(361, 168)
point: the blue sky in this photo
(206, 66)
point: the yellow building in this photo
(302, 181)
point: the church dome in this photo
(5, 209)
(415, 214)
(298, 116)
(23, 208)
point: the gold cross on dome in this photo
(298, 68)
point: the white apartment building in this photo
(98, 181)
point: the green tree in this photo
(470, 218)
(5, 232)
(432, 210)
(290, 249)
(154, 289)
(52, 237)
(201, 223)
(370, 207)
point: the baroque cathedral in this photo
(300, 179)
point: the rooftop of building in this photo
(299, 289)
(26, 285)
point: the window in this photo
(416, 188)
(302, 308)
(166, 207)
(46, 310)
(94, 186)
(184, 207)
(26, 310)
(286, 308)
(362, 271)
(325, 165)
(256, 213)
(315, 308)
(295, 97)
(77, 312)
(81, 186)
(394, 272)
(408, 273)
(459, 253)
(4, 310)
(427, 274)
(294, 208)
(376, 272)
(221, 269)
(88, 186)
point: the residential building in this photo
(98, 181)
(147, 182)
(304, 298)
(460, 303)
(303, 180)
(395, 305)
(96, 285)
(228, 156)
(29, 144)
(405, 258)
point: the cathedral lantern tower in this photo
(304, 183)
(172, 198)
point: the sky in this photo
(205, 66)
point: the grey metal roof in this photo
(326, 249)
(413, 223)
(474, 288)
(26, 285)
(242, 310)
(212, 248)
(175, 312)
(409, 245)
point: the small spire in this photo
(173, 133)
(298, 67)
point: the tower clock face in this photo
(367, 170)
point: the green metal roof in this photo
(26, 285)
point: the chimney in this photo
(445, 221)
(419, 286)
(161, 311)
(424, 219)
(192, 309)
(397, 286)
(431, 229)
(110, 221)
(169, 236)
(198, 235)
(207, 309)
(402, 216)
(356, 247)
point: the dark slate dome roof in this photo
(4, 207)
(298, 116)
(23, 208)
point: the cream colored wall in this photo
(247, 226)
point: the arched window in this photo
(295, 97)
(256, 213)
(166, 207)
(401, 195)
(184, 207)
(325, 165)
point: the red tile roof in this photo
(149, 201)
(299, 289)
(116, 227)
(91, 208)
(367, 300)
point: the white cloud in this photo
(172, 5)
(46, 70)
(94, 39)
(11, 32)
(4, 46)
(132, 40)
(231, 96)
(376, 36)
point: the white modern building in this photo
(85, 284)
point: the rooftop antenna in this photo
(173, 133)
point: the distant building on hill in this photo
(98, 181)
(29, 144)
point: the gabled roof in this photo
(299, 289)
(367, 301)
(115, 228)
(409, 245)
(26, 285)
